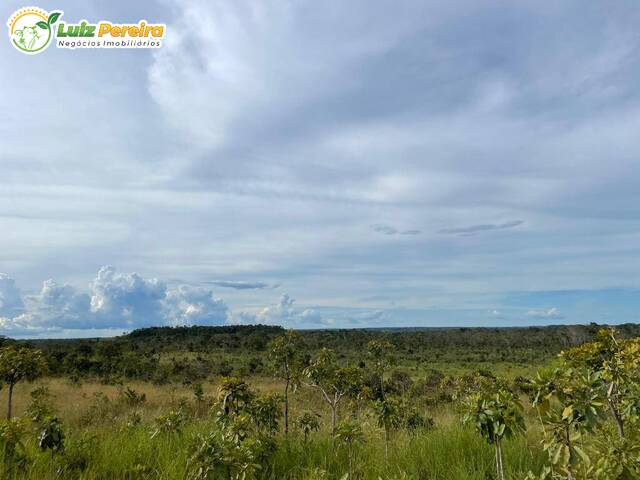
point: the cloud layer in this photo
(427, 159)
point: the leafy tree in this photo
(617, 362)
(349, 434)
(569, 405)
(333, 381)
(389, 414)
(496, 416)
(51, 437)
(235, 449)
(307, 423)
(17, 364)
(265, 410)
(11, 442)
(284, 352)
(382, 354)
(234, 395)
(40, 407)
(615, 459)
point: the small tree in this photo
(39, 410)
(382, 354)
(495, 415)
(617, 362)
(235, 450)
(17, 364)
(389, 413)
(51, 437)
(284, 351)
(349, 434)
(234, 396)
(569, 404)
(265, 411)
(307, 423)
(333, 381)
(12, 446)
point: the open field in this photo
(120, 421)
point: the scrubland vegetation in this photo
(259, 402)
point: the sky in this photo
(322, 165)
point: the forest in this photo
(261, 402)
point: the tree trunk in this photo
(614, 410)
(334, 417)
(286, 407)
(386, 445)
(10, 401)
(499, 466)
(570, 465)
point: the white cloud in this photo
(10, 299)
(549, 314)
(57, 306)
(127, 300)
(114, 301)
(283, 313)
(186, 305)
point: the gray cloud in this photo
(388, 230)
(481, 228)
(241, 285)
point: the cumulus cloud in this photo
(186, 305)
(58, 306)
(283, 313)
(483, 227)
(113, 301)
(10, 298)
(388, 230)
(125, 300)
(550, 314)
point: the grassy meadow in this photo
(101, 444)
(143, 409)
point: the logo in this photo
(31, 29)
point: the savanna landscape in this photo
(259, 402)
(320, 240)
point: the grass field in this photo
(100, 445)
(159, 404)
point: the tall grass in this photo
(103, 446)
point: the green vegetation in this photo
(257, 402)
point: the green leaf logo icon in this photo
(53, 18)
(42, 25)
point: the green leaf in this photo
(581, 452)
(42, 25)
(54, 17)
